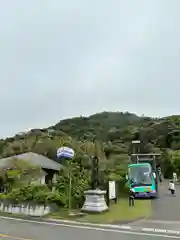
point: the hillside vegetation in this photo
(109, 136)
(112, 132)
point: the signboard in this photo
(112, 189)
(65, 152)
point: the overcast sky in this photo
(68, 58)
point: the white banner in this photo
(112, 189)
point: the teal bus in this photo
(142, 180)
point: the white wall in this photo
(29, 210)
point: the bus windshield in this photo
(140, 175)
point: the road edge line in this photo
(120, 227)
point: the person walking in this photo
(131, 197)
(174, 176)
(172, 187)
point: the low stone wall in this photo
(27, 208)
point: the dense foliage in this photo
(107, 134)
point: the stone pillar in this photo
(95, 201)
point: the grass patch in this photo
(117, 213)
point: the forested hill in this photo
(121, 127)
(102, 125)
(112, 131)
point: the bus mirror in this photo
(154, 175)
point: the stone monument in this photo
(95, 201)
(95, 198)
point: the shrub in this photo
(35, 193)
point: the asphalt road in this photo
(19, 230)
(166, 210)
(166, 207)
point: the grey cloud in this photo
(60, 59)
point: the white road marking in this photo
(160, 221)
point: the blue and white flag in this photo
(65, 152)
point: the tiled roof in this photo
(34, 159)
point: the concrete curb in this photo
(122, 227)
